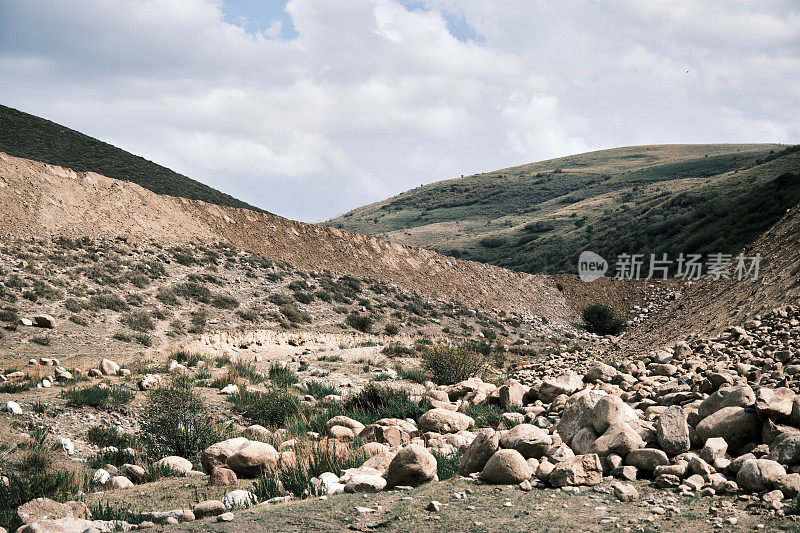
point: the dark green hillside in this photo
(647, 199)
(24, 135)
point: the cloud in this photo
(366, 98)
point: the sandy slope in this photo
(40, 200)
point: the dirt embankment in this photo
(40, 200)
(708, 307)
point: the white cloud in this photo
(373, 97)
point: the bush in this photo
(138, 321)
(102, 436)
(107, 301)
(303, 297)
(100, 397)
(319, 390)
(411, 374)
(222, 301)
(391, 329)
(485, 415)
(193, 291)
(360, 322)
(448, 364)
(176, 422)
(271, 408)
(293, 314)
(446, 464)
(492, 242)
(282, 376)
(603, 320)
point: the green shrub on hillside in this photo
(448, 364)
(603, 320)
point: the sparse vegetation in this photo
(602, 319)
(451, 363)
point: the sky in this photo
(310, 108)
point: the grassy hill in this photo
(31, 137)
(643, 199)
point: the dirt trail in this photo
(40, 200)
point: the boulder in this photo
(45, 508)
(239, 499)
(413, 465)
(625, 492)
(177, 464)
(217, 454)
(775, 404)
(221, 476)
(647, 459)
(611, 410)
(738, 396)
(253, 457)
(445, 421)
(119, 482)
(528, 440)
(737, 425)
(580, 470)
(109, 367)
(512, 393)
(619, 439)
(45, 321)
(380, 462)
(208, 508)
(354, 425)
(365, 483)
(506, 467)
(759, 474)
(672, 431)
(713, 449)
(135, 473)
(567, 383)
(598, 371)
(578, 414)
(474, 458)
(786, 450)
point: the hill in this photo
(30, 137)
(645, 199)
(44, 201)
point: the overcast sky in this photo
(313, 107)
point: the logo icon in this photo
(591, 266)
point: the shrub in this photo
(485, 415)
(193, 291)
(603, 320)
(41, 340)
(138, 321)
(103, 436)
(222, 301)
(411, 374)
(250, 315)
(303, 297)
(167, 296)
(282, 376)
(492, 242)
(385, 402)
(32, 476)
(293, 314)
(446, 464)
(101, 397)
(391, 329)
(448, 364)
(107, 301)
(319, 390)
(271, 408)
(106, 511)
(176, 422)
(330, 358)
(71, 304)
(199, 320)
(360, 322)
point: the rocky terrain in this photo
(171, 364)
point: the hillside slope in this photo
(708, 307)
(646, 199)
(31, 137)
(41, 200)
